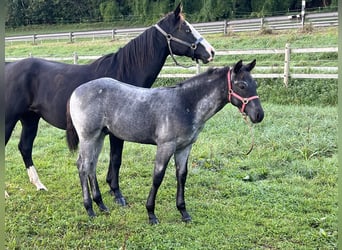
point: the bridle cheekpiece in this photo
(169, 38)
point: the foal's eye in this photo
(242, 85)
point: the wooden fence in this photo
(282, 72)
(226, 27)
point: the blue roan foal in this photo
(169, 117)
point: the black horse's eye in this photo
(187, 28)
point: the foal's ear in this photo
(178, 10)
(251, 65)
(237, 67)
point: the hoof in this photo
(186, 219)
(154, 221)
(121, 201)
(91, 214)
(103, 208)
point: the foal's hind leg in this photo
(116, 146)
(29, 124)
(86, 163)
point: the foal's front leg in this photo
(181, 161)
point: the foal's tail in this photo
(71, 134)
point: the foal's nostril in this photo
(260, 116)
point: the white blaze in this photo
(204, 42)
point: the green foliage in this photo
(109, 10)
(319, 92)
(32, 12)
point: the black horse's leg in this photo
(10, 123)
(163, 156)
(181, 161)
(29, 122)
(116, 146)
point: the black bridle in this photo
(169, 38)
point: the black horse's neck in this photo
(137, 63)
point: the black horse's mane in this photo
(133, 53)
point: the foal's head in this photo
(183, 38)
(242, 91)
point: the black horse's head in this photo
(183, 39)
(242, 91)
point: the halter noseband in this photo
(231, 93)
(169, 38)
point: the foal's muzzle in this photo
(254, 111)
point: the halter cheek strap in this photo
(170, 38)
(231, 93)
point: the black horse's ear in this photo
(251, 65)
(237, 67)
(178, 10)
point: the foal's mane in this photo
(194, 80)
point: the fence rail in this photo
(282, 72)
(226, 27)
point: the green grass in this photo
(281, 196)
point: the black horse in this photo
(37, 88)
(170, 118)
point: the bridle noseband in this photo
(231, 93)
(169, 38)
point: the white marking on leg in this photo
(6, 195)
(34, 178)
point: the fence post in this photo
(70, 37)
(198, 68)
(113, 34)
(225, 27)
(34, 37)
(262, 23)
(75, 58)
(303, 13)
(287, 64)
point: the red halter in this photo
(231, 93)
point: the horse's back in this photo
(43, 87)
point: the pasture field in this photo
(281, 196)
(239, 41)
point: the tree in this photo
(109, 11)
